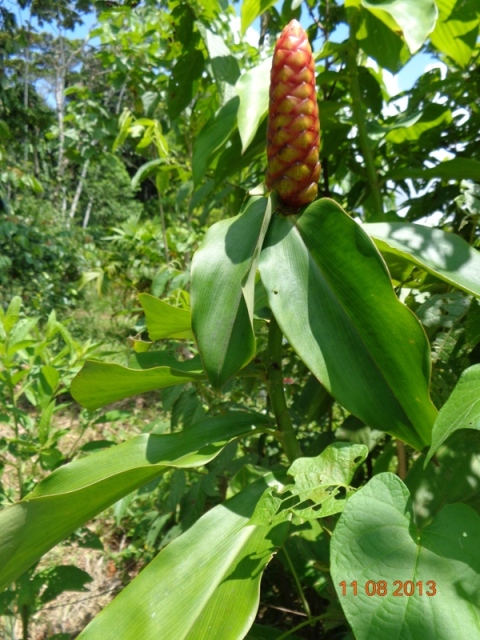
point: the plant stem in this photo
(301, 593)
(301, 625)
(359, 115)
(277, 394)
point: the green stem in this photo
(277, 393)
(359, 115)
(301, 593)
(303, 624)
(16, 428)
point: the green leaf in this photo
(376, 539)
(203, 585)
(381, 43)
(145, 171)
(224, 65)
(434, 115)
(416, 18)
(454, 169)
(212, 137)
(62, 578)
(223, 290)
(456, 31)
(445, 255)
(11, 315)
(252, 89)
(461, 411)
(331, 294)
(188, 68)
(445, 480)
(150, 359)
(100, 383)
(251, 9)
(164, 320)
(319, 489)
(76, 492)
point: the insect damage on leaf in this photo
(293, 135)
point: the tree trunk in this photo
(78, 190)
(86, 217)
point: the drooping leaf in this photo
(203, 585)
(381, 43)
(164, 320)
(145, 171)
(443, 254)
(331, 294)
(76, 492)
(223, 290)
(251, 9)
(376, 539)
(461, 411)
(456, 31)
(416, 18)
(252, 88)
(100, 383)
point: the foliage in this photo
(296, 364)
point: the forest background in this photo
(117, 151)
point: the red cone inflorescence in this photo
(293, 136)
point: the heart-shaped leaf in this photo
(431, 575)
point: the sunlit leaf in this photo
(331, 294)
(443, 254)
(434, 569)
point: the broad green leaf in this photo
(223, 290)
(203, 585)
(251, 9)
(252, 89)
(223, 63)
(76, 492)
(446, 480)
(461, 411)
(376, 539)
(454, 169)
(331, 294)
(381, 42)
(212, 137)
(432, 116)
(100, 383)
(456, 31)
(180, 87)
(445, 255)
(319, 489)
(164, 320)
(416, 18)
